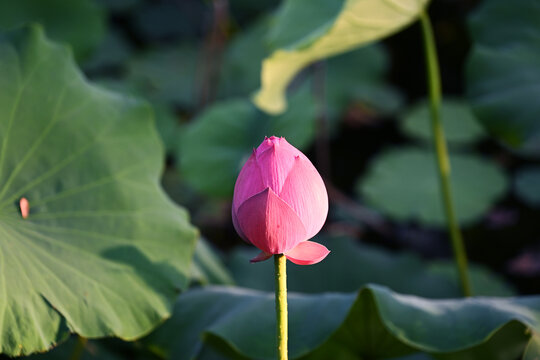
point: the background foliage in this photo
(105, 251)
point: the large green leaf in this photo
(199, 310)
(403, 183)
(403, 272)
(103, 250)
(503, 71)
(223, 137)
(460, 125)
(328, 29)
(373, 323)
(81, 23)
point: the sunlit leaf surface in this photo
(103, 252)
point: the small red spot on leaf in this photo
(25, 207)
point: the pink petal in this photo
(275, 157)
(261, 257)
(307, 253)
(237, 227)
(248, 183)
(269, 223)
(305, 192)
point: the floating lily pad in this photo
(460, 124)
(103, 251)
(323, 29)
(404, 184)
(222, 138)
(503, 72)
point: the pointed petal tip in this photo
(307, 253)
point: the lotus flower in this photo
(280, 202)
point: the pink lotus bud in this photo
(280, 202)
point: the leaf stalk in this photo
(443, 160)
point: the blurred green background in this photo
(361, 117)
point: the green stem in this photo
(443, 162)
(79, 348)
(280, 262)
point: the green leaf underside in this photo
(503, 76)
(80, 23)
(403, 183)
(460, 125)
(359, 22)
(220, 141)
(373, 323)
(103, 251)
(354, 76)
(528, 185)
(403, 272)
